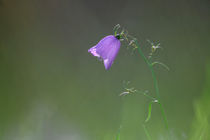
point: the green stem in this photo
(147, 132)
(153, 99)
(155, 83)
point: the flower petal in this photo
(107, 49)
(93, 51)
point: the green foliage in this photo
(149, 111)
(201, 124)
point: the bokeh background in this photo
(51, 88)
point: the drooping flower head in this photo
(107, 49)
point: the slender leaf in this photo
(149, 111)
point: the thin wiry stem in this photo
(147, 132)
(135, 45)
(155, 83)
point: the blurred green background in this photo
(51, 88)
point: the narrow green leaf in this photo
(149, 112)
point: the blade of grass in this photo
(149, 112)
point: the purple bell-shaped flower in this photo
(107, 49)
